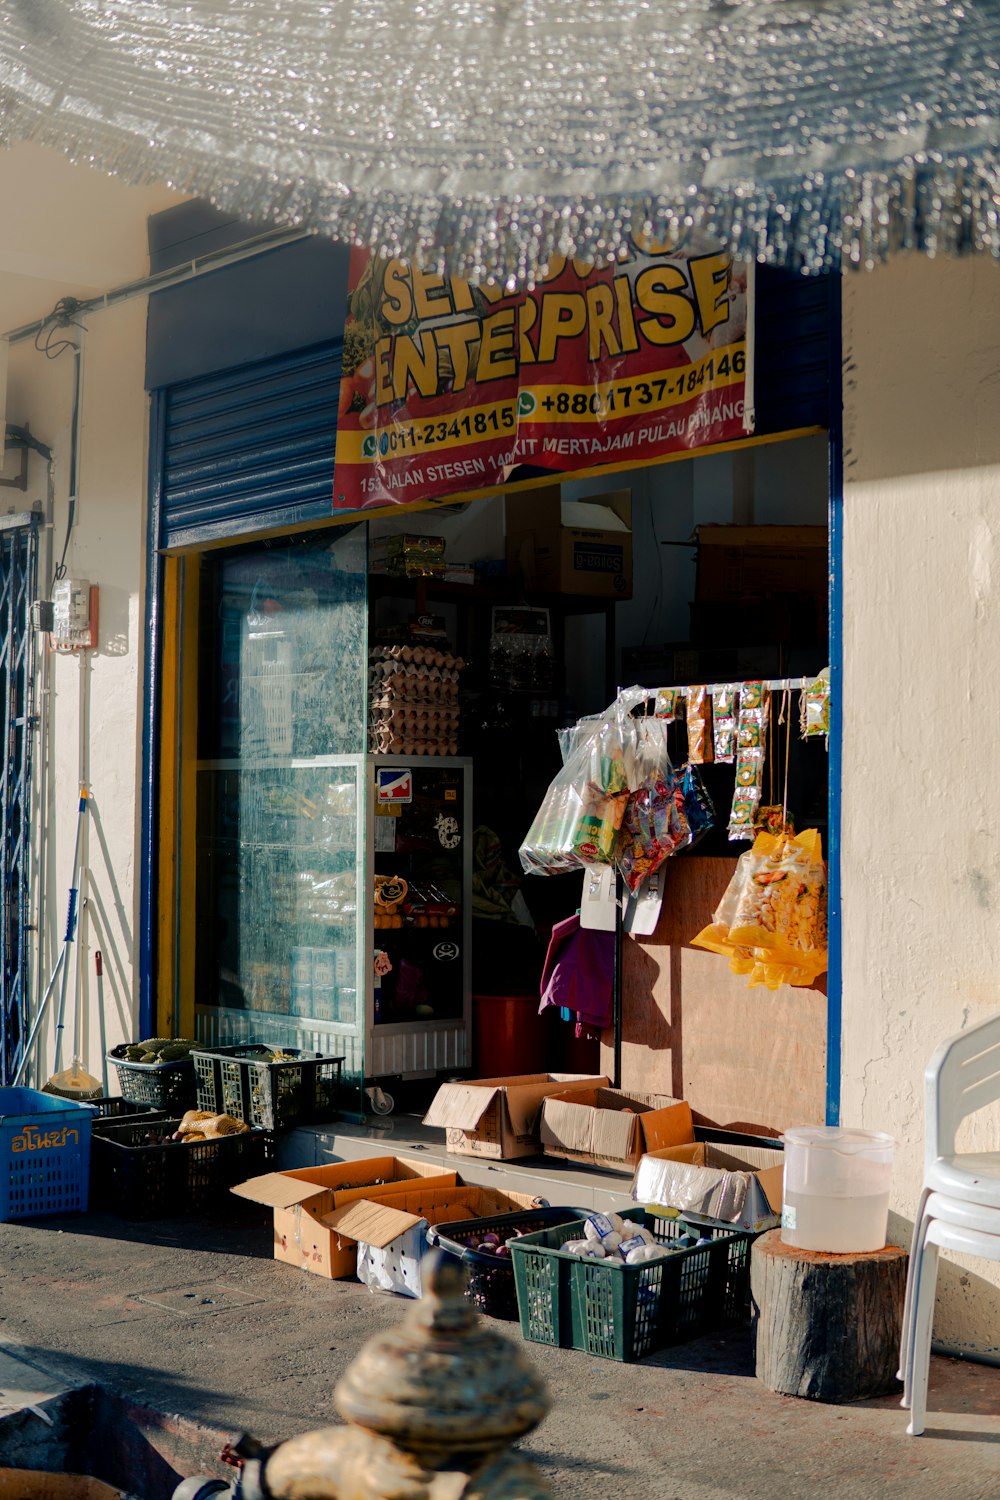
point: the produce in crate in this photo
(159, 1049)
(197, 1125)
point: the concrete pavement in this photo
(197, 1321)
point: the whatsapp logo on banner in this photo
(525, 404)
(368, 447)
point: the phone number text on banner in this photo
(447, 387)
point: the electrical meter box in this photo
(72, 613)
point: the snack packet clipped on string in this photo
(668, 703)
(698, 805)
(814, 707)
(699, 726)
(751, 749)
(725, 702)
(773, 820)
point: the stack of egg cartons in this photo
(413, 697)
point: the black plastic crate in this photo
(168, 1085)
(244, 1082)
(119, 1111)
(491, 1285)
(141, 1180)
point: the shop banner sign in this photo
(446, 386)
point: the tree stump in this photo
(827, 1326)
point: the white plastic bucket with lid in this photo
(836, 1188)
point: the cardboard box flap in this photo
(460, 1106)
(277, 1190)
(524, 1104)
(596, 514)
(375, 1224)
(742, 1158)
(771, 1182)
(670, 1125)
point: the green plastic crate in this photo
(626, 1312)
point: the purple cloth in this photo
(579, 974)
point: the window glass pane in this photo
(280, 797)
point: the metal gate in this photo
(18, 578)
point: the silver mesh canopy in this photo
(491, 134)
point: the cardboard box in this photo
(301, 1199)
(612, 1128)
(738, 1184)
(753, 562)
(497, 1117)
(392, 1244)
(584, 547)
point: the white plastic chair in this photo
(960, 1202)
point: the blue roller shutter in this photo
(795, 383)
(250, 449)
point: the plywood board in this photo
(693, 1030)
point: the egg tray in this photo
(624, 1312)
(244, 1082)
(140, 1180)
(491, 1278)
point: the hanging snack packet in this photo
(698, 805)
(773, 820)
(668, 701)
(699, 726)
(814, 707)
(725, 701)
(751, 748)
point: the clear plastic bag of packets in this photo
(582, 811)
(772, 920)
(656, 823)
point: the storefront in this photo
(327, 717)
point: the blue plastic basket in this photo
(44, 1154)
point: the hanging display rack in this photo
(633, 696)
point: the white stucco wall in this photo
(82, 233)
(106, 547)
(921, 777)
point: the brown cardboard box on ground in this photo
(300, 1200)
(582, 547)
(611, 1128)
(497, 1117)
(738, 1184)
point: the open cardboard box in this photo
(736, 1183)
(497, 1117)
(300, 1200)
(391, 1231)
(611, 1128)
(572, 547)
